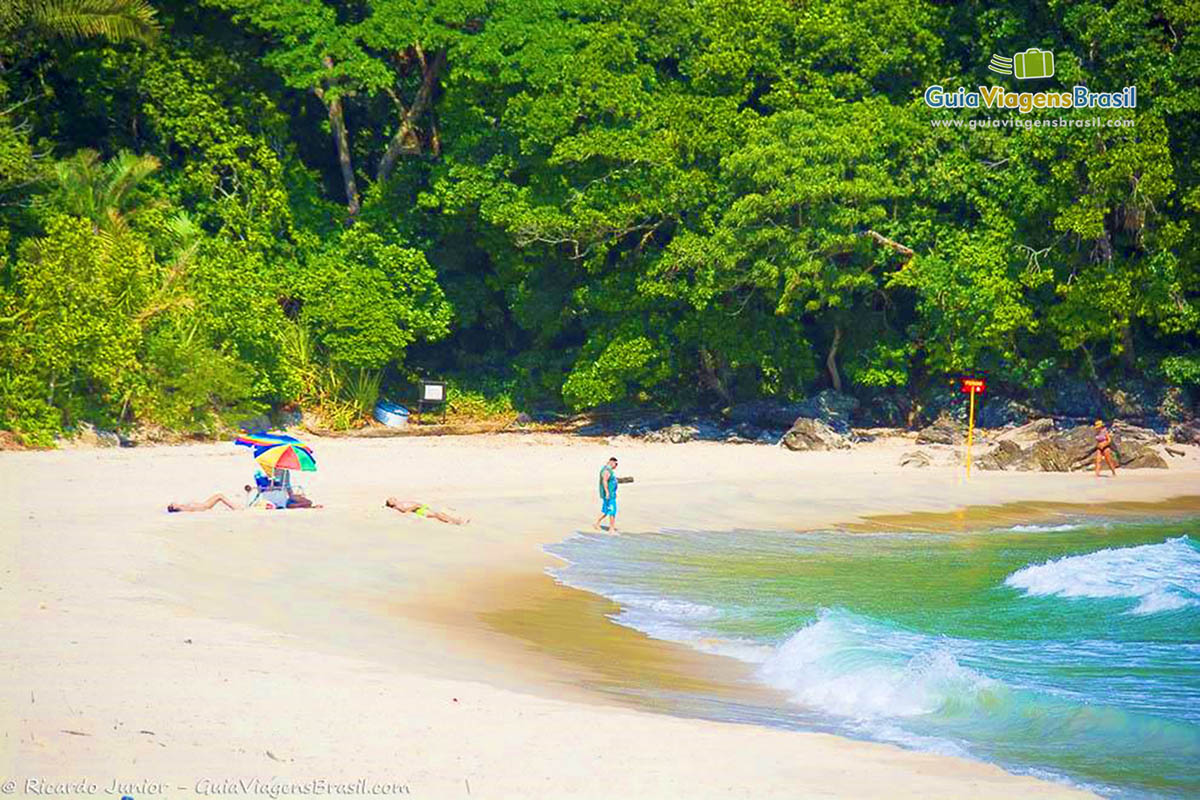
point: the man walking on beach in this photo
(608, 496)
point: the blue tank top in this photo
(612, 482)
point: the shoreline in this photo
(353, 609)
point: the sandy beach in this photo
(232, 652)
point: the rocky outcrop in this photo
(944, 430)
(832, 408)
(829, 407)
(813, 434)
(766, 414)
(997, 412)
(88, 435)
(1184, 434)
(1006, 455)
(675, 434)
(1029, 432)
(1074, 449)
(917, 458)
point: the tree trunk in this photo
(831, 359)
(407, 141)
(709, 378)
(1128, 354)
(338, 123)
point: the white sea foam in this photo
(1066, 526)
(681, 621)
(1161, 577)
(846, 665)
(666, 607)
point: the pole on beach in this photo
(972, 386)
(970, 433)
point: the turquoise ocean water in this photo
(1069, 651)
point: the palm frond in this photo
(123, 174)
(183, 229)
(117, 20)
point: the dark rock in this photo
(1007, 454)
(259, 422)
(1184, 434)
(917, 458)
(813, 434)
(675, 434)
(288, 418)
(830, 407)
(1142, 458)
(1029, 433)
(943, 431)
(746, 433)
(709, 431)
(523, 419)
(1074, 397)
(997, 413)
(89, 435)
(647, 425)
(1124, 432)
(1135, 398)
(766, 414)
(1076, 449)
(885, 410)
(599, 428)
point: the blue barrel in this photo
(393, 415)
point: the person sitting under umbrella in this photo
(297, 499)
(422, 510)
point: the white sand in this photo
(343, 644)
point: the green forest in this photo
(216, 208)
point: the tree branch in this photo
(406, 141)
(879, 238)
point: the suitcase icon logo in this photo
(1033, 63)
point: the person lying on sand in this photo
(422, 510)
(205, 506)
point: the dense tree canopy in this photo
(212, 208)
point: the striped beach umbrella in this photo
(286, 455)
(264, 439)
(278, 451)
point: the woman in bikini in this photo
(422, 510)
(1104, 448)
(207, 505)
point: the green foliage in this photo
(103, 192)
(368, 300)
(232, 204)
(116, 20)
(477, 398)
(191, 386)
(624, 362)
(1183, 370)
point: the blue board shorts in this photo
(609, 507)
